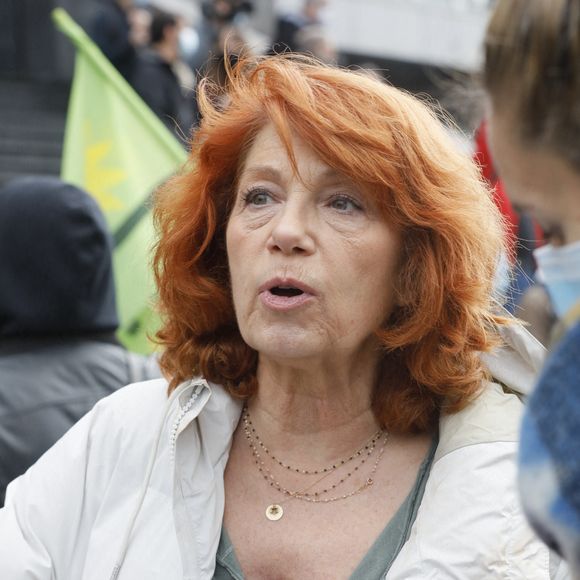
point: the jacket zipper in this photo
(184, 410)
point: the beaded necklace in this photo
(275, 511)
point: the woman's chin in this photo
(288, 345)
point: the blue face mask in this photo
(559, 270)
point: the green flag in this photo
(119, 151)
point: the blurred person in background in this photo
(532, 74)
(110, 28)
(162, 79)
(225, 40)
(218, 22)
(535, 309)
(341, 395)
(520, 294)
(230, 45)
(289, 26)
(140, 26)
(312, 40)
(58, 351)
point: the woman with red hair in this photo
(342, 396)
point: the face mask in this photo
(559, 270)
(188, 42)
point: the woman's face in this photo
(312, 262)
(536, 181)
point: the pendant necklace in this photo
(275, 511)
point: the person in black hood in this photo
(58, 350)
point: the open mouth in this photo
(287, 291)
(284, 294)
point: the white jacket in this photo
(135, 490)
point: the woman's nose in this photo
(291, 231)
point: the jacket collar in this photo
(493, 416)
(518, 361)
(220, 417)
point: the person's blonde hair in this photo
(532, 71)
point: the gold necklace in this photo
(250, 427)
(275, 511)
(268, 475)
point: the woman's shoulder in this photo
(141, 396)
(494, 416)
(470, 521)
(135, 406)
(476, 459)
(123, 425)
(483, 436)
(141, 413)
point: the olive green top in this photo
(382, 553)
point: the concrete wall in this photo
(445, 33)
(30, 46)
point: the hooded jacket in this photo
(58, 352)
(136, 489)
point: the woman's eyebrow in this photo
(328, 177)
(261, 172)
(334, 178)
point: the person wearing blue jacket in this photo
(533, 80)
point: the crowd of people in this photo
(342, 388)
(162, 55)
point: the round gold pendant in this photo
(274, 512)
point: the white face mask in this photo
(559, 270)
(188, 42)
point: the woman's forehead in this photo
(270, 157)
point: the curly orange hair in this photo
(397, 149)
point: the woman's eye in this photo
(344, 203)
(257, 197)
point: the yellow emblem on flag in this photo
(100, 179)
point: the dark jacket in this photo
(58, 351)
(110, 29)
(157, 84)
